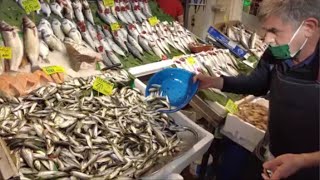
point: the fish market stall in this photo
(124, 34)
(72, 130)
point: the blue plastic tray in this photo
(175, 83)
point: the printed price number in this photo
(231, 106)
(103, 86)
(5, 52)
(53, 69)
(31, 5)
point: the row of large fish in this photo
(76, 28)
(249, 40)
(66, 131)
(214, 63)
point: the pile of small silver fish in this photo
(156, 101)
(249, 40)
(214, 63)
(67, 132)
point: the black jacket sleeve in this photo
(257, 83)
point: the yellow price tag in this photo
(191, 60)
(31, 5)
(103, 86)
(53, 69)
(5, 52)
(231, 106)
(115, 26)
(153, 20)
(108, 2)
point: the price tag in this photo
(31, 5)
(108, 2)
(53, 69)
(153, 20)
(191, 60)
(231, 106)
(115, 26)
(102, 86)
(5, 52)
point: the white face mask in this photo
(301, 47)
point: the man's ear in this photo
(311, 25)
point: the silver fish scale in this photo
(82, 134)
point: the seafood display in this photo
(247, 39)
(254, 113)
(156, 101)
(70, 131)
(214, 63)
(65, 21)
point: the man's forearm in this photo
(311, 159)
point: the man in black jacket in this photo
(289, 70)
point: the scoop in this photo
(175, 84)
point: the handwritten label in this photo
(108, 2)
(103, 86)
(115, 26)
(53, 69)
(5, 52)
(231, 106)
(153, 20)
(31, 5)
(191, 60)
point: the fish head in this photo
(100, 6)
(117, 8)
(75, 5)
(56, 22)
(123, 8)
(107, 10)
(136, 8)
(85, 4)
(27, 23)
(164, 57)
(44, 22)
(5, 26)
(152, 43)
(106, 27)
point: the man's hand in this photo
(208, 81)
(284, 166)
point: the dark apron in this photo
(294, 119)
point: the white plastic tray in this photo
(194, 153)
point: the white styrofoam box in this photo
(241, 132)
(194, 153)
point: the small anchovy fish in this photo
(71, 131)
